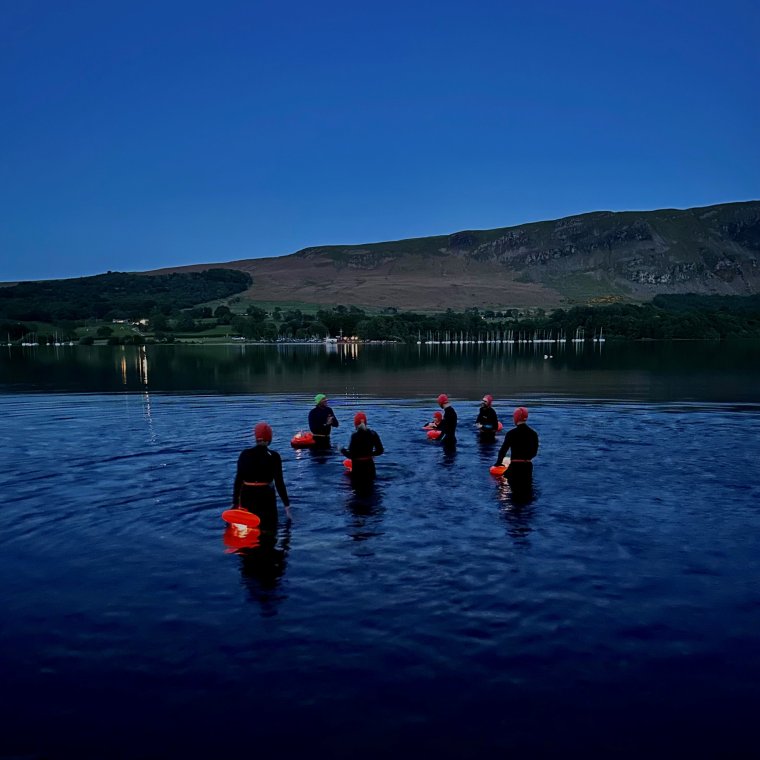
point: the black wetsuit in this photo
(259, 471)
(364, 445)
(489, 421)
(319, 426)
(523, 441)
(448, 427)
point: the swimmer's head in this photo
(520, 415)
(262, 433)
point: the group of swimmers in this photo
(259, 468)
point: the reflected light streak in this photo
(142, 365)
(349, 350)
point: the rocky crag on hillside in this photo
(710, 250)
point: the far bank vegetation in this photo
(121, 308)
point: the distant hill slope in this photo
(595, 257)
(116, 295)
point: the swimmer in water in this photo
(259, 473)
(322, 420)
(448, 426)
(487, 421)
(523, 441)
(365, 444)
(435, 423)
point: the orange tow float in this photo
(302, 440)
(241, 518)
(499, 469)
(242, 529)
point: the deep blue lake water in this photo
(617, 611)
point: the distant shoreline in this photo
(344, 344)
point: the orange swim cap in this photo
(520, 415)
(437, 416)
(360, 418)
(263, 432)
(443, 399)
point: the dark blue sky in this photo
(135, 135)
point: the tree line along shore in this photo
(121, 308)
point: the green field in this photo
(119, 330)
(239, 305)
(580, 288)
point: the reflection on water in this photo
(365, 505)
(516, 500)
(262, 566)
(650, 371)
(439, 599)
(448, 456)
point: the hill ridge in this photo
(582, 258)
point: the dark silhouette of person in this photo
(364, 446)
(487, 421)
(448, 426)
(322, 420)
(435, 423)
(522, 440)
(259, 473)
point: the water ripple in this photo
(634, 563)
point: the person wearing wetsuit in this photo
(448, 426)
(523, 441)
(435, 423)
(363, 446)
(321, 422)
(259, 472)
(487, 420)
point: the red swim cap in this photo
(520, 415)
(443, 399)
(262, 432)
(437, 416)
(488, 398)
(360, 418)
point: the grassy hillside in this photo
(602, 256)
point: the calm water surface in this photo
(700, 371)
(616, 611)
